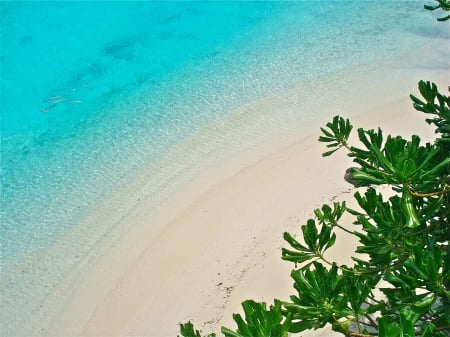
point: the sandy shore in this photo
(213, 237)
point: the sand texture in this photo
(211, 238)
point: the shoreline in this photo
(215, 236)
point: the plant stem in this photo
(343, 228)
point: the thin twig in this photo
(430, 194)
(372, 321)
(439, 328)
(343, 228)
(357, 334)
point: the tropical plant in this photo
(441, 4)
(399, 282)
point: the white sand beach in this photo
(211, 238)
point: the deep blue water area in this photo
(93, 92)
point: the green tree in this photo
(399, 283)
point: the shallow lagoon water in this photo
(93, 92)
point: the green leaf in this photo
(187, 330)
(365, 178)
(409, 209)
(336, 134)
(296, 257)
(294, 243)
(381, 159)
(428, 329)
(260, 321)
(302, 325)
(229, 333)
(310, 234)
(407, 320)
(330, 242)
(443, 165)
(387, 329)
(329, 153)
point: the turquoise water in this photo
(93, 92)
(76, 89)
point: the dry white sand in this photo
(213, 238)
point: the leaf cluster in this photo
(438, 106)
(258, 321)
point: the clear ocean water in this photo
(92, 92)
